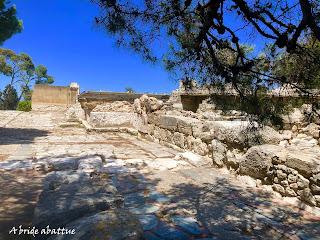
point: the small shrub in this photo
(24, 106)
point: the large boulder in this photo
(258, 160)
(111, 224)
(147, 104)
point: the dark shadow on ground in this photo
(222, 208)
(18, 197)
(231, 212)
(20, 135)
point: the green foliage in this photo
(302, 66)
(22, 72)
(9, 98)
(9, 24)
(129, 90)
(211, 42)
(24, 106)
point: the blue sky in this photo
(61, 35)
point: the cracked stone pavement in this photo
(172, 198)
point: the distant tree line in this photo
(18, 69)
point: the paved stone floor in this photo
(172, 199)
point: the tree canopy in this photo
(9, 23)
(21, 71)
(210, 39)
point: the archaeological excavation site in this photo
(112, 165)
(160, 120)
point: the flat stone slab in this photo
(189, 224)
(148, 222)
(146, 209)
(69, 195)
(163, 164)
(16, 165)
(166, 231)
(112, 224)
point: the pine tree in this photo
(9, 98)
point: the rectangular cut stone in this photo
(167, 122)
(303, 162)
(185, 124)
(111, 119)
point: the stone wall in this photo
(44, 94)
(287, 160)
(89, 100)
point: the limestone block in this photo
(62, 164)
(163, 164)
(189, 142)
(167, 122)
(150, 104)
(185, 124)
(200, 147)
(111, 119)
(192, 158)
(200, 130)
(304, 142)
(294, 117)
(243, 133)
(281, 175)
(219, 152)
(75, 113)
(116, 106)
(302, 161)
(312, 129)
(179, 139)
(294, 186)
(258, 160)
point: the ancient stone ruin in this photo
(286, 159)
(142, 166)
